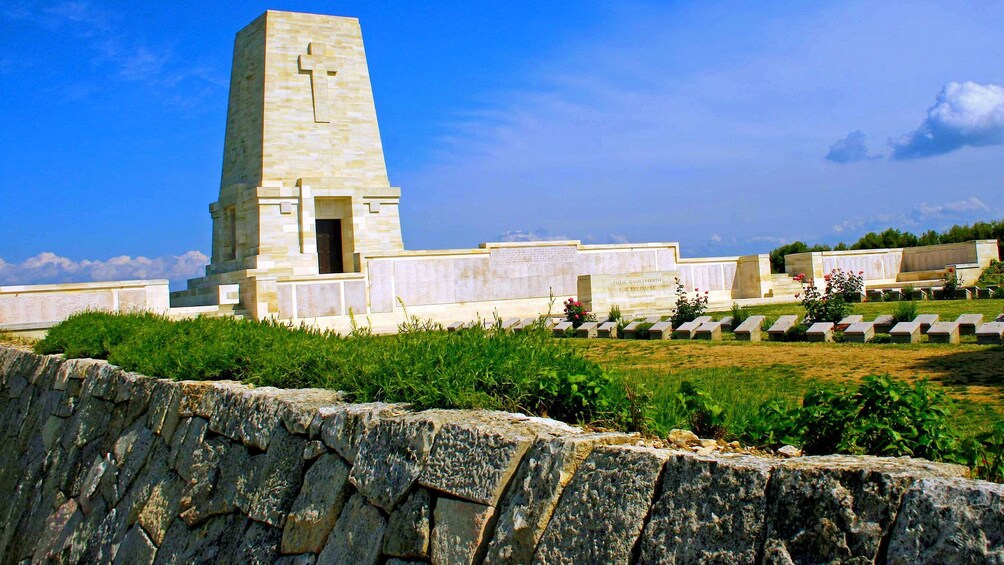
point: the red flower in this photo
(705, 292)
(861, 272)
(951, 270)
(797, 295)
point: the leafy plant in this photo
(641, 331)
(576, 313)
(904, 312)
(688, 309)
(615, 314)
(739, 314)
(906, 293)
(833, 303)
(993, 274)
(707, 418)
(985, 453)
(949, 284)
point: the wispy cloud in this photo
(851, 149)
(971, 204)
(922, 217)
(965, 114)
(48, 267)
(121, 55)
(530, 235)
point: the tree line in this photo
(892, 238)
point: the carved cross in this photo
(319, 65)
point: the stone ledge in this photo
(103, 465)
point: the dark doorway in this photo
(329, 246)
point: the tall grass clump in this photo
(477, 367)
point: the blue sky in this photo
(729, 127)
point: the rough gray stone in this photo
(275, 479)
(838, 508)
(392, 453)
(322, 496)
(476, 453)
(459, 531)
(131, 451)
(302, 559)
(221, 481)
(89, 487)
(313, 450)
(408, 531)
(949, 521)
(58, 528)
(188, 452)
(136, 548)
(602, 510)
(357, 536)
(259, 543)
(709, 510)
(162, 506)
(344, 425)
(203, 544)
(527, 507)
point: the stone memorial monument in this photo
(304, 189)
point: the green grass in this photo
(946, 309)
(473, 368)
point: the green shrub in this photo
(615, 314)
(471, 368)
(906, 293)
(641, 332)
(905, 312)
(998, 293)
(993, 274)
(833, 303)
(94, 334)
(707, 418)
(739, 314)
(797, 333)
(688, 309)
(881, 417)
(985, 454)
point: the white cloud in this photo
(47, 267)
(971, 204)
(524, 235)
(965, 114)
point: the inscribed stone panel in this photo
(667, 259)
(729, 275)
(322, 299)
(612, 262)
(381, 275)
(285, 292)
(424, 281)
(132, 299)
(527, 272)
(471, 279)
(355, 297)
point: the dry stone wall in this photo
(102, 465)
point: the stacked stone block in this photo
(102, 465)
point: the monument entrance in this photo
(329, 246)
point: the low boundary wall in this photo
(30, 307)
(102, 465)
